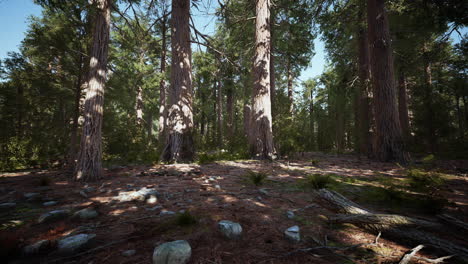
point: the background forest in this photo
(43, 86)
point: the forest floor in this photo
(223, 191)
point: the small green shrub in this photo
(428, 159)
(205, 158)
(314, 162)
(318, 181)
(185, 219)
(421, 181)
(257, 178)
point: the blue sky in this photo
(14, 23)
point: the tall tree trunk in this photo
(403, 105)
(230, 112)
(179, 143)
(219, 113)
(76, 115)
(19, 110)
(139, 105)
(364, 111)
(290, 87)
(460, 116)
(261, 136)
(428, 102)
(311, 119)
(89, 165)
(272, 64)
(388, 131)
(162, 85)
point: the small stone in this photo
(293, 234)
(74, 243)
(290, 214)
(176, 252)
(166, 213)
(89, 189)
(263, 191)
(181, 211)
(87, 213)
(36, 247)
(32, 196)
(129, 253)
(217, 187)
(82, 193)
(51, 203)
(152, 199)
(6, 206)
(53, 216)
(157, 207)
(230, 229)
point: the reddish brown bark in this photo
(179, 143)
(261, 134)
(389, 141)
(403, 105)
(89, 165)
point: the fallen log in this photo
(394, 225)
(382, 221)
(453, 221)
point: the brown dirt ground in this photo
(263, 217)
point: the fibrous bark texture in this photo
(389, 141)
(89, 167)
(162, 85)
(363, 100)
(179, 142)
(403, 104)
(261, 134)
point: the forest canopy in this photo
(394, 83)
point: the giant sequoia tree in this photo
(179, 143)
(389, 141)
(89, 165)
(261, 134)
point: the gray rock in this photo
(89, 189)
(51, 203)
(290, 214)
(263, 191)
(293, 234)
(152, 199)
(83, 193)
(141, 195)
(6, 206)
(36, 247)
(176, 252)
(157, 207)
(217, 187)
(87, 213)
(53, 216)
(166, 213)
(230, 229)
(129, 253)
(32, 196)
(74, 243)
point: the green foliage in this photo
(315, 162)
(318, 181)
(256, 178)
(211, 157)
(421, 181)
(185, 219)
